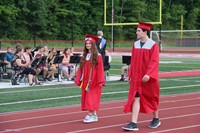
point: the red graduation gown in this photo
(144, 60)
(91, 99)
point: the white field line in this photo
(175, 129)
(185, 86)
(47, 89)
(110, 116)
(76, 96)
(179, 78)
(184, 80)
(38, 100)
(57, 98)
(183, 71)
(170, 62)
(77, 112)
(33, 90)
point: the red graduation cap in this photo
(92, 38)
(146, 26)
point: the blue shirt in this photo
(9, 56)
(103, 42)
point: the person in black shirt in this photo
(101, 45)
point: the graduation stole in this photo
(87, 88)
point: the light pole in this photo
(112, 25)
(34, 30)
(72, 26)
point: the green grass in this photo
(17, 99)
(68, 44)
(79, 44)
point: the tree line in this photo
(73, 19)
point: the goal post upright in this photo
(105, 12)
(159, 22)
(131, 23)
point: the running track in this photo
(178, 113)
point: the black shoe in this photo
(40, 79)
(38, 83)
(122, 79)
(48, 79)
(130, 127)
(32, 84)
(125, 80)
(155, 123)
(14, 82)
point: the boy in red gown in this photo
(90, 78)
(143, 78)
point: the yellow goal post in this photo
(130, 23)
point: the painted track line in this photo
(176, 129)
(163, 98)
(103, 109)
(103, 117)
(165, 118)
(59, 123)
(63, 114)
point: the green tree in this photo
(8, 14)
(71, 20)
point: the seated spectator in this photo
(46, 50)
(51, 56)
(8, 57)
(43, 66)
(71, 51)
(67, 69)
(50, 59)
(27, 57)
(18, 45)
(76, 63)
(21, 67)
(124, 70)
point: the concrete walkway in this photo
(54, 82)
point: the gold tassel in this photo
(81, 84)
(86, 88)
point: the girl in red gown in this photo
(90, 78)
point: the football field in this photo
(175, 81)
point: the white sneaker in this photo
(95, 117)
(90, 118)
